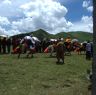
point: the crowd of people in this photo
(5, 45)
(61, 46)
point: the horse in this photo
(23, 48)
(50, 49)
(68, 48)
(81, 48)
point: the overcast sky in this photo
(18, 16)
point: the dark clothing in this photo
(91, 50)
(4, 45)
(8, 44)
(29, 43)
(88, 55)
(60, 51)
(88, 51)
(14, 43)
(0, 46)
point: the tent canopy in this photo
(53, 40)
(74, 40)
(3, 35)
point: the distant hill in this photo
(63, 35)
(82, 36)
(41, 34)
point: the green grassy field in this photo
(41, 76)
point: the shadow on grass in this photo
(60, 63)
(25, 57)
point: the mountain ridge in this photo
(41, 34)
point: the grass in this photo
(41, 76)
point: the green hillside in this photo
(82, 36)
(64, 35)
(41, 34)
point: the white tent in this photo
(53, 40)
(74, 40)
(3, 35)
(85, 42)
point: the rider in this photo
(29, 41)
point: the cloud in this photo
(47, 15)
(30, 15)
(4, 21)
(23, 25)
(43, 7)
(2, 31)
(12, 32)
(66, 1)
(90, 8)
(7, 2)
(9, 32)
(86, 24)
(87, 5)
(87, 19)
(11, 10)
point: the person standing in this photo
(4, 45)
(8, 45)
(60, 51)
(88, 50)
(0, 45)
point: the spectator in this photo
(4, 45)
(8, 44)
(88, 50)
(14, 43)
(91, 49)
(0, 45)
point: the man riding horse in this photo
(68, 46)
(27, 44)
